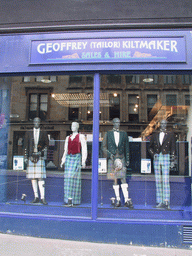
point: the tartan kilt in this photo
(36, 171)
(111, 173)
(72, 178)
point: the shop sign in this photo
(18, 163)
(109, 50)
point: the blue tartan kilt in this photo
(72, 178)
(36, 171)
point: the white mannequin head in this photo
(74, 127)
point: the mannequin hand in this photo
(83, 165)
(127, 163)
(172, 165)
(61, 165)
(25, 160)
(44, 158)
(112, 157)
(155, 157)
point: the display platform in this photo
(141, 189)
(55, 210)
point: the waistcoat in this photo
(74, 146)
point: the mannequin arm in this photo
(65, 152)
(83, 149)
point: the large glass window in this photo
(144, 157)
(49, 124)
(144, 160)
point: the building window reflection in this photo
(133, 102)
(38, 106)
(114, 103)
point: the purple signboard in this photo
(108, 50)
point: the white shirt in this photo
(83, 148)
(161, 137)
(36, 136)
(116, 135)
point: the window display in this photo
(127, 174)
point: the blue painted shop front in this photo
(95, 220)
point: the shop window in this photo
(73, 114)
(38, 105)
(89, 81)
(89, 113)
(26, 79)
(114, 102)
(136, 79)
(169, 79)
(187, 100)
(46, 79)
(151, 78)
(75, 79)
(171, 100)
(129, 79)
(186, 79)
(114, 79)
(151, 110)
(133, 102)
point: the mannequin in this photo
(116, 146)
(74, 157)
(35, 145)
(162, 148)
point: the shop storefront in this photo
(98, 81)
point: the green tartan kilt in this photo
(72, 178)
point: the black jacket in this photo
(29, 143)
(168, 146)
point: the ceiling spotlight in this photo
(115, 94)
(148, 80)
(46, 81)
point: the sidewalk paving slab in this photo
(13, 245)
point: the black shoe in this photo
(118, 203)
(112, 201)
(43, 201)
(35, 201)
(129, 204)
(160, 206)
(167, 206)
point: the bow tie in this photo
(115, 130)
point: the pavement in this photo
(13, 245)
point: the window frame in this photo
(38, 91)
